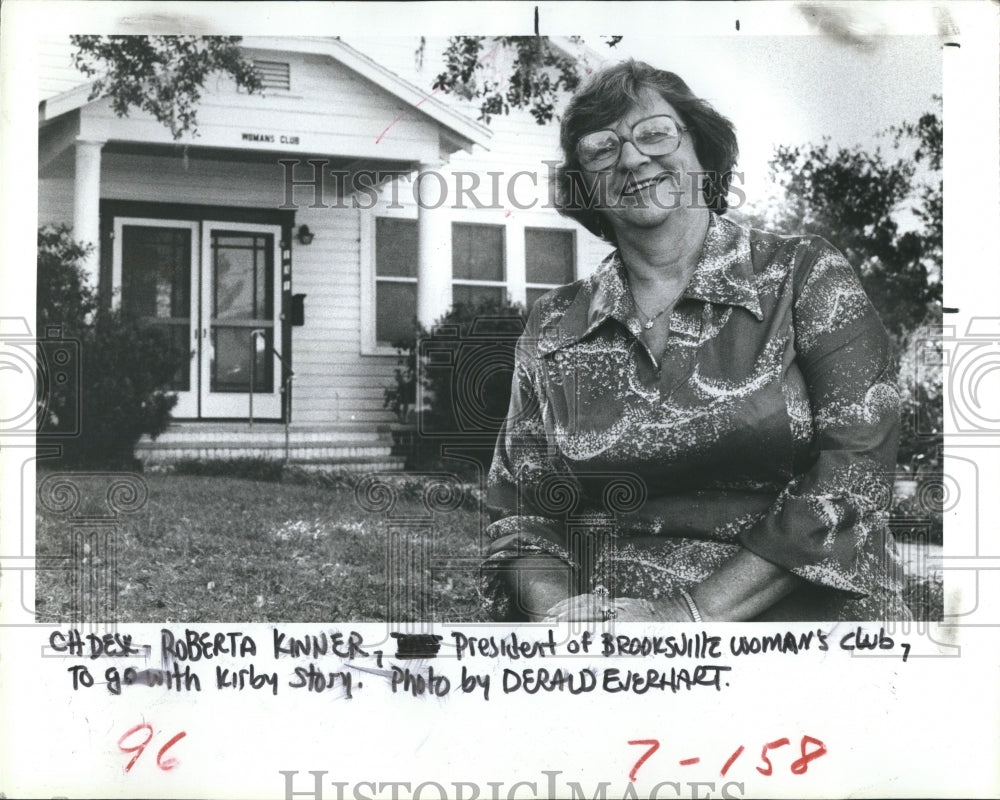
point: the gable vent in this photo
(274, 74)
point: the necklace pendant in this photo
(648, 325)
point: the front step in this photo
(350, 448)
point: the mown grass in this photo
(220, 549)
(210, 548)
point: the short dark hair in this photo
(604, 99)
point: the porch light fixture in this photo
(305, 235)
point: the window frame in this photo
(370, 345)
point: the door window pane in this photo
(156, 272)
(477, 252)
(242, 291)
(243, 269)
(231, 360)
(156, 285)
(549, 256)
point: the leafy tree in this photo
(854, 198)
(162, 75)
(464, 366)
(64, 297)
(124, 367)
(539, 72)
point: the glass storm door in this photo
(240, 307)
(214, 287)
(155, 278)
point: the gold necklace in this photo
(650, 320)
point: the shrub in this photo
(126, 366)
(464, 368)
(924, 596)
(248, 468)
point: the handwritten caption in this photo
(196, 660)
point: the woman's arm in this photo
(529, 566)
(828, 525)
(537, 583)
(742, 588)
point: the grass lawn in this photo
(218, 549)
(223, 549)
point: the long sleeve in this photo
(530, 489)
(828, 525)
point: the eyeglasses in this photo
(652, 136)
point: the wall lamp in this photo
(305, 235)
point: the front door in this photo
(214, 286)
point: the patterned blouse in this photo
(769, 423)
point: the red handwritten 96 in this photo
(137, 747)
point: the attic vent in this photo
(274, 74)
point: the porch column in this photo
(433, 245)
(87, 202)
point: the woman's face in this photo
(643, 191)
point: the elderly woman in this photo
(700, 430)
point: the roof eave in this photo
(459, 126)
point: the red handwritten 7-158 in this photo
(810, 749)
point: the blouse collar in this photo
(724, 275)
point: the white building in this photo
(210, 236)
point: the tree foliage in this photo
(854, 198)
(63, 296)
(162, 75)
(538, 73)
(119, 368)
(464, 366)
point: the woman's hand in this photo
(600, 608)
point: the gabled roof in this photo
(457, 123)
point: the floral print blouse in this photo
(770, 423)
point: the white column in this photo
(517, 278)
(433, 245)
(87, 202)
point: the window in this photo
(274, 74)
(395, 278)
(550, 260)
(477, 263)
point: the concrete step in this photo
(212, 436)
(305, 452)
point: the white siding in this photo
(55, 67)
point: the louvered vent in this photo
(274, 74)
